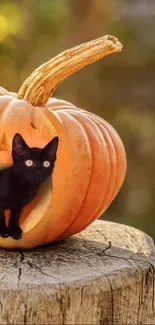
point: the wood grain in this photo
(105, 275)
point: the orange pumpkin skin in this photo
(98, 154)
(89, 171)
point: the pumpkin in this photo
(91, 160)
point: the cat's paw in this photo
(4, 231)
(16, 232)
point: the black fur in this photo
(19, 184)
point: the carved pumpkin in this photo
(91, 160)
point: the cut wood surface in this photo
(104, 275)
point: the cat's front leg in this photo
(3, 228)
(15, 230)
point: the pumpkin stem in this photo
(41, 84)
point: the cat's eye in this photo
(46, 163)
(29, 163)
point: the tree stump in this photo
(104, 275)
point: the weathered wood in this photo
(105, 275)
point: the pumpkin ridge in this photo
(73, 204)
(120, 151)
(114, 177)
(104, 130)
(119, 148)
(59, 104)
(118, 183)
(116, 140)
(116, 165)
(77, 220)
(96, 119)
(103, 207)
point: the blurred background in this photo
(120, 88)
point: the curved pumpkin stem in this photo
(41, 84)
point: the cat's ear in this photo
(19, 147)
(51, 148)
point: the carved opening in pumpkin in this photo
(37, 134)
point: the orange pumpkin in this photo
(91, 160)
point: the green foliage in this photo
(53, 14)
(9, 20)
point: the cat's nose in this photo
(39, 175)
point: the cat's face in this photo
(33, 164)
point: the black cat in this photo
(19, 184)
